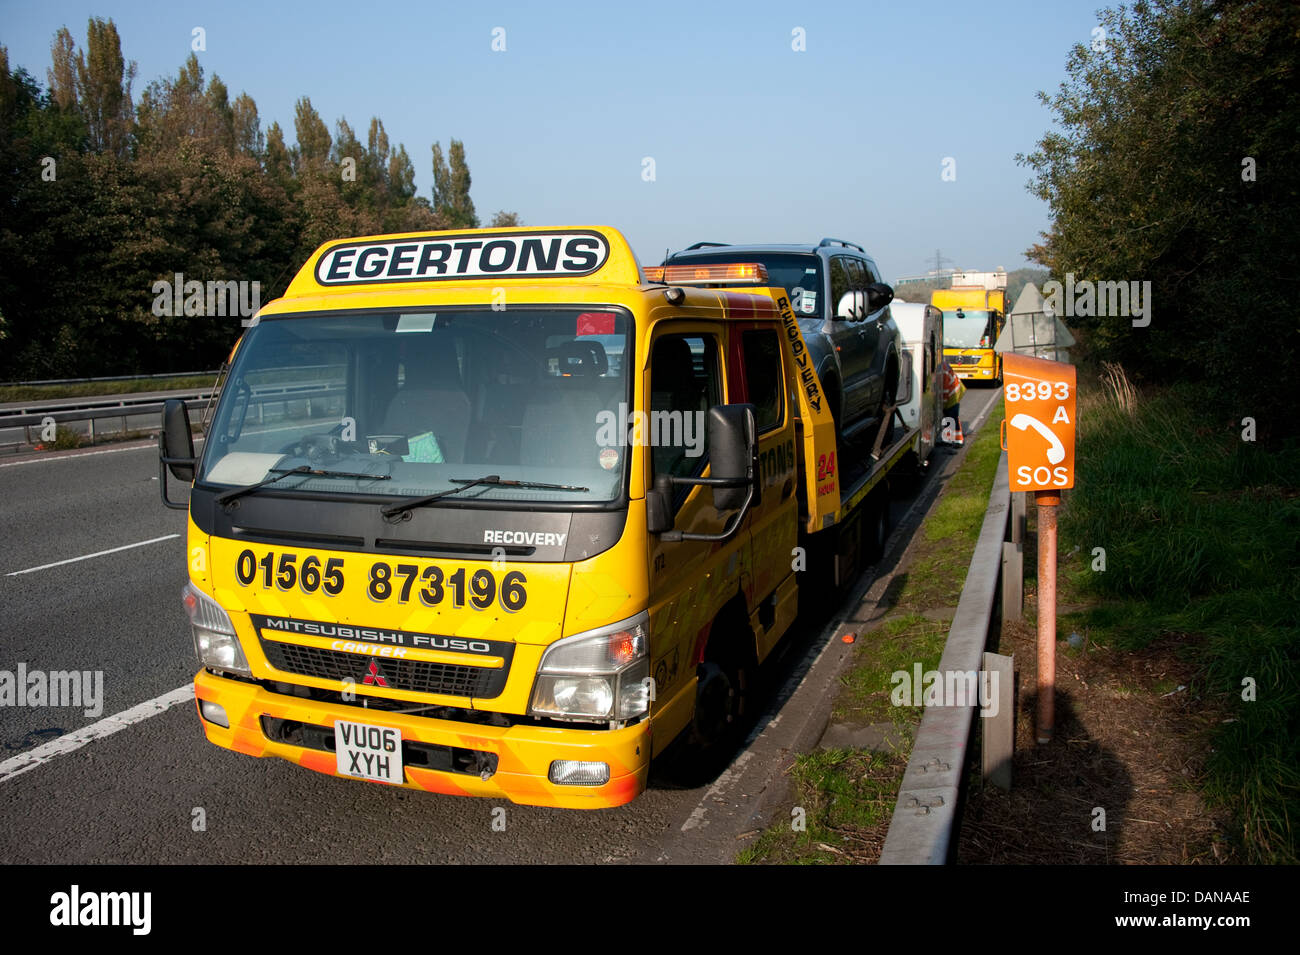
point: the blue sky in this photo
(751, 140)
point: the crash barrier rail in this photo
(91, 415)
(920, 832)
(45, 406)
(97, 409)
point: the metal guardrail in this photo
(920, 832)
(94, 409)
(92, 415)
(82, 409)
(93, 403)
(84, 381)
(153, 407)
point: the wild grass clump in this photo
(1201, 532)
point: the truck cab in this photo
(488, 513)
(974, 312)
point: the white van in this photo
(921, 328)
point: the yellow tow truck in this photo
(495, 513)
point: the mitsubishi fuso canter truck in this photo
(496, 513)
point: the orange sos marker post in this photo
(1038, 436)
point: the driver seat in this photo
(432, 399)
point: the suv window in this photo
(841, 281)
(857, 274)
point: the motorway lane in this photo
(119, 613)
(131, 797)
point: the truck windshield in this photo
(971, 330)
(413, 403)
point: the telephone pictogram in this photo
(1056, 451)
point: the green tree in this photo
(279, 159)
(63, 71)
(104, 88)
(102, 201)
(1173, 164)
(246, 127)
(451, 182)
(313, 151)
(95, 83)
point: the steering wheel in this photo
(318, 449)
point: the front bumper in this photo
(522, 754)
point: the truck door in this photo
(758, 375)
(690, 580)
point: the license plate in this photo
(366, 751)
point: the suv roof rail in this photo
(705, 245)
(851, 245)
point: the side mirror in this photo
(659, 505)
(177, 443)
(733, 470)
(878, 296)
(175, 448)
(733, 454)
(852, 306)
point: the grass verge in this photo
(90, 389)
(1189, 534)
(842, 799)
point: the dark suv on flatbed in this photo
(852, 337)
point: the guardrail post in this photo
(999, 730)
(1013, 561)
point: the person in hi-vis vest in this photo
(953, 389)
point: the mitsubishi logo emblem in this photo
(374, 677)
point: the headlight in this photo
(598, 675)
(214, 635)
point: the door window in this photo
(684, 385)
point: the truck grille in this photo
(964, 360)
(415, 676)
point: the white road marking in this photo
(84, 454)
(993, 400)
(101, 553)
(720, 786)
(109, 725)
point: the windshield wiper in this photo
(494, 480)
(279, 474)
